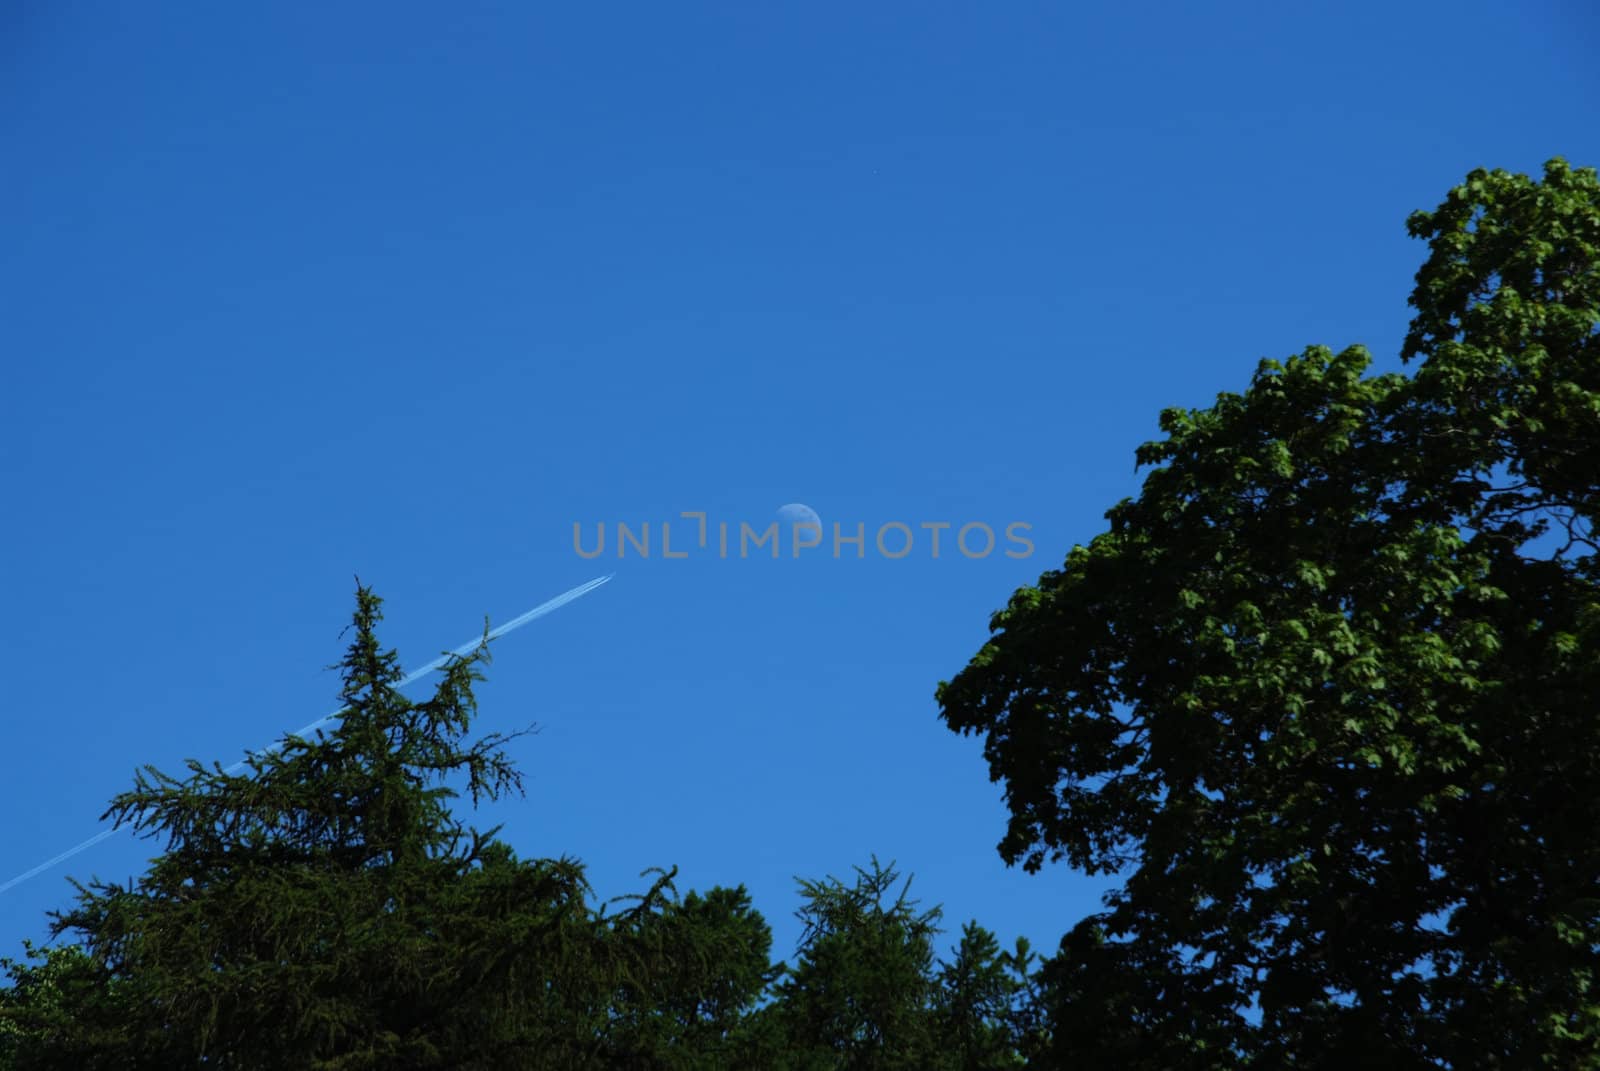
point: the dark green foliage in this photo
(1324, 693)
(1323, 696)
(700, 966)
(866, 992)
(44, 1008)
(859, 996)
(986, 1005)
(327, 911)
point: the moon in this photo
(798, 513)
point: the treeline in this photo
(1322, 698)
(327, 910)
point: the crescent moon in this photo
(796, 514)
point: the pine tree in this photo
(324, 909)
(860, 996)
(984, 1004)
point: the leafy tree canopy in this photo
(1322, 695)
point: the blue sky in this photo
(297, 293)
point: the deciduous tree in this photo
(1323, 695)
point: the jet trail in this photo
(465, 649)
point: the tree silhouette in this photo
(1323, 694)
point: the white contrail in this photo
(465, 649)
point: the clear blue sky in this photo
(305, 291)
